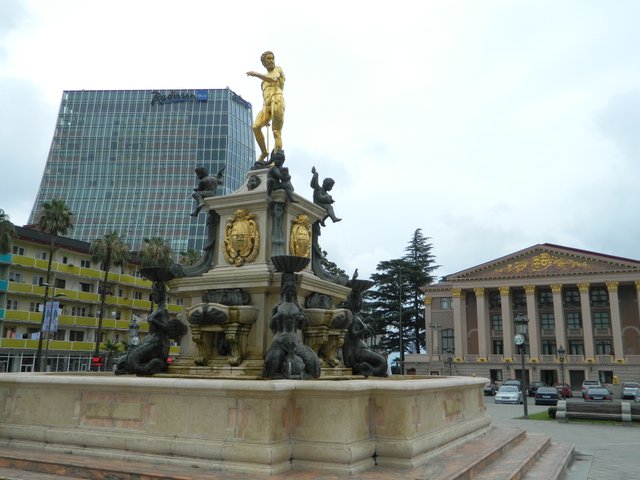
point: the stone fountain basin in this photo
(319, 317)
(225, 314)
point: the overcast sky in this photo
(490, 125)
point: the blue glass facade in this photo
(124, 160)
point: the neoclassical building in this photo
(582, 302)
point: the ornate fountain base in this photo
(247, 426)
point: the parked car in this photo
(588, 384)
(629, 390)
(637, 397)
(564, 390)
(513, 382)
(490, 389)
(533, 386)
(509, 394)
(547, 396)
(597, 394)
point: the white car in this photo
(509, 394)
(629, 390)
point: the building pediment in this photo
(548, 260)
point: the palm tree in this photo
(54, 220)
(190, 257)
(110, 250)
(7, 232)
(156, 252)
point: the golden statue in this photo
(273, 108)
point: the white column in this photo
(431, 342)
(558, 314)
(507, 322)
(459, 322)
(483, 326)
(616, 325)
(587, 322)
(534, 325)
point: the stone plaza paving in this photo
(603, 451)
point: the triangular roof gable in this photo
(547, 260)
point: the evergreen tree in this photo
(396, 303)
(421, 264)
(7, 233)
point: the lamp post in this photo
(520, 340)
(561, 358)
(450, 358)
(44, 313)
(38, 365)
(400, 322)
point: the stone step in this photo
(515, 463)
(554, 462)
(467, 460)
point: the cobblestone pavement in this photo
(604, 451)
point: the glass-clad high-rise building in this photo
(124, 160)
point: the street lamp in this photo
(38, 365)
(520, 340)
(561, 358)
(51, 313)
(450, 358)
(400, 322)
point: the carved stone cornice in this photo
(530, 289)
(556, 288)
(583, 287)
(479, 292)
(504, 291)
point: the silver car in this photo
(509, 394)
(629, 390)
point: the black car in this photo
(547, 396)
(490, 389)
(533, 387)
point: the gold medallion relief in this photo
(242, 239)
(300, 237)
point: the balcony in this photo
(5, 258)
(496, 333)
(4, 285)
(574, 332)
(602, 331)
(548, 332)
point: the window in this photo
(78, 311)
(548, 347)
(497, 347)
(496, 322)
(137, 295)
(61, 283)
(495, 300)
(65, 260)
(15, 277)
(86, 287)
(574, 320)
(42, 255)
(520, 299)
(180, 301)
(76, 336)
(447, 339)
(12, 304)
(599, 296)
(18, 250)
(605, 376)
(445, 303)
(601, 319)
(576, 347)
(547, 321)
(34, 306)
(495, 374)
(37, 281)
(603, 347)
(571, 297)
(85, 263)
(545, 298)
